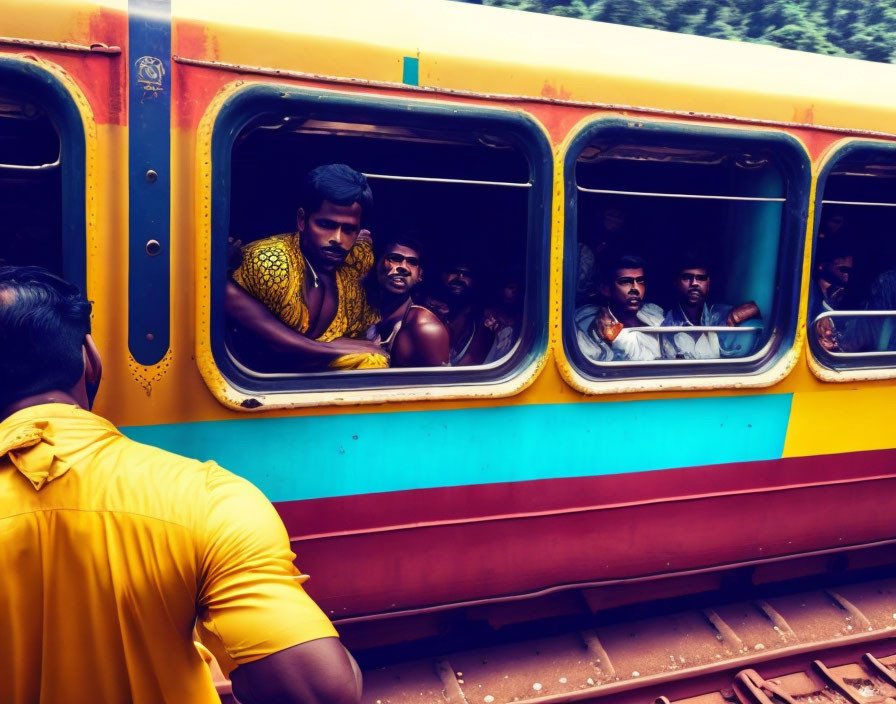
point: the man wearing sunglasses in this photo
(411, 335)
(609, 332)
(691, 285)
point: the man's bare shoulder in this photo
(422, 321)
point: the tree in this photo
(863, 29)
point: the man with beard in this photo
(610, 333)
(691, 285)
(411, 335)
(832, 272)
(298, 296)
(470, 338)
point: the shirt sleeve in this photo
(360, 259)
(251, 600)
(733, 344)
(264, 274)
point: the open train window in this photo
(42, 219)
(470, 185)
(682, 250)
(852, 300)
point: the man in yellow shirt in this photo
(299, 296)
(112, 551)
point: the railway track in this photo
(822, 646)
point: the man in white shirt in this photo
(610, 332)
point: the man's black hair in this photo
(833, 247)
(693, 258)
(43, 321)
(337, 183)
(408, 240)
(613, 264)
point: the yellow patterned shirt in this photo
(273, 271)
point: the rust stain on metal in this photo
(95, 48)
(503, 97)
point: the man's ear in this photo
(300, 219)
(93, 368)
(605, 290)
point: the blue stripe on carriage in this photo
(315, 457)
(149, 150)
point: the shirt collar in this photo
(41, 441)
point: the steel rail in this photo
(690, 196)
(857, 202)
(433, 179)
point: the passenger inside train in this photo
(693, 307)
(612, 227)
(662, 194)
(854, 271)
(504, 316)
(457, 191)
(409, 333)
(834, 265)
(310, 281)
(609, 332)
(459, 298)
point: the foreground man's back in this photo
(112, 551)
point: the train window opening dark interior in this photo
(852, 298)
(682, 256)
(457, 225)
(30, 184)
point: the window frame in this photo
(239, 388)
(824, 366)
(62, 103)
(779, 354)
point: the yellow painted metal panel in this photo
(52, 20)
(844, 418)
(492, 50)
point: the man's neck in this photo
(459, 321)
(628, 319)
(391, 305)
(38, 400)
(315, 270)
(694, 313)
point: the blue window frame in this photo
(42, 172)
(739, 195)
(853, 282)
(455, 173)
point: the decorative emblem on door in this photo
(150, 73)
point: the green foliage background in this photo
(861, 29)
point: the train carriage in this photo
(543, 493)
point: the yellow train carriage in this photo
(136, 138)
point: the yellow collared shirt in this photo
(109, 553)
